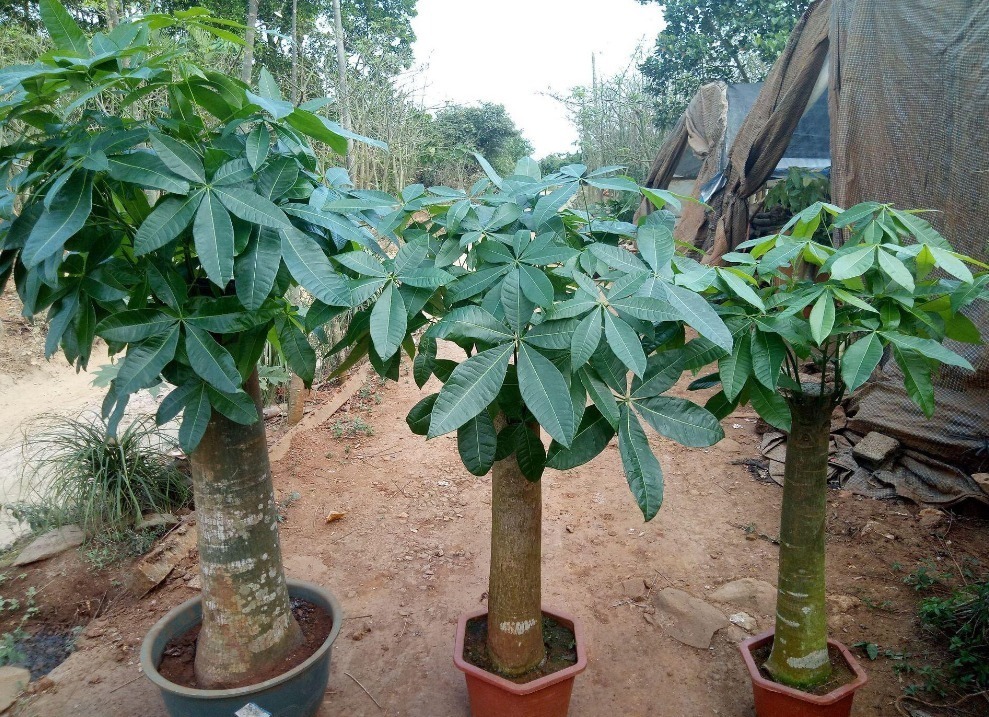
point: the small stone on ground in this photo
(688, 619)
(755, 595)
(51, 543)
(13, 681)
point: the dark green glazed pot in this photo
(296, 693)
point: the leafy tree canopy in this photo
(708, 40)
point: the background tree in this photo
(461, 130)
(708, 40)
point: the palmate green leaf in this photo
(697, 313)
(67, 215)
(546, 394)
(736, 367)
(549, 205)
(238, 407)
(224, 315)
(419, 415)
(600, 394)
(663, 370)
(642, 470)
(554, 335)
(146, 170)
(949, 262)
(518, 308)
(535, 285)
(312, 269)
(62, 28)
(213, 232)
(476, 443)
(529, 451)
(236, 171)
(472, 284)
(389, 321)
(592, 437)
(853, 263)
(210, 361)
(916, 378)
(423, 363)
(255, 270)
(251, 207)
(277, 178)
(768, 355)
(896, 270)
(770, 405)
(927, 347)
(167, 284)
(179, 157)
(617, 258)
(616, 184)
(624, 342)
(174, 402)
(134, 325)
(646, 308)
(860, 360)
(146, 360)
(741, 288)
(258, 143)
(471, 322)
(471, 387)
(720, 407)
(195, 418)
(682, 421)
(169, 219)
(585, 339)
(299, 353)
(822, 318)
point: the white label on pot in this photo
(251, 710)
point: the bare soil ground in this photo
(411, 554)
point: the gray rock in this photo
(13, 681)
(983, 480)
(687, 619)
(749, 593)
(51, 543)
(156, 520)
(875, 449)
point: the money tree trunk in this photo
(515, 625)
(800, 646)
(247, 621)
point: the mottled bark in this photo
(296, 399)
(800, 649)
(515, 626)
(247, 621)
(250, 33)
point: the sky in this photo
(511, 51)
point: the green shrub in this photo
(81, 474)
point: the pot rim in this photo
(528, 687)
(756, 641)
(151, 670)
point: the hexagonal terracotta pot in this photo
(494, 696)
(775, 700)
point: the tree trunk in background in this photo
(296, 399)
(112, 14)
(247, 69)
(800, 648)
(342, 98)
(515, 625)
(295, 52)
(247, 621)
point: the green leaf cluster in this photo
(171, 231)
(893, 288)
(562, 328)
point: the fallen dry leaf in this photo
(334, 515)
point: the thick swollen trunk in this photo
(247, 621)
(800, 648)
(515, 625)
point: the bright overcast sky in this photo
(510, 51)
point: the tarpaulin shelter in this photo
(908, 95)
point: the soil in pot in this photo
(178, 660)
(561, 649)
(841, 673)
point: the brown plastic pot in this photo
(494, 696)
(775, 700)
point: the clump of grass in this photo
(351, 428)
(79, 473)
(962, 618)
